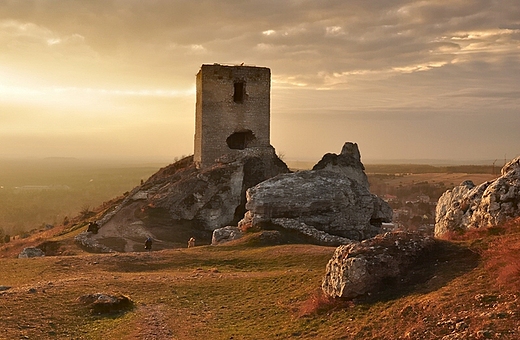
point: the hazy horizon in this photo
(164, 162)
(405, 80)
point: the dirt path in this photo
(152, 324)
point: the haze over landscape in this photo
(406, 80)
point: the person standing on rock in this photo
(148, 244)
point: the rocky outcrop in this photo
(348, 162)
(361, 268)
(31, 252)
(489, 204)
(330, 204)
(214, 197)
(181, 201)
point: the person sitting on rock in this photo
(191, 242)
(148, 244)
(93, 227)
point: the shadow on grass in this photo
(432, 271)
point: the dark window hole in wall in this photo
(240, 140)
(240, 92)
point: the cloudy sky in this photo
(412, 80)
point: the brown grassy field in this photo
(464, 290)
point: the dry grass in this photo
(319, 303)
(502, 257)
(244, 292)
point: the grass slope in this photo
(462, 291)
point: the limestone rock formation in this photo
(347, 162)
(330, 204)
(181, 201)
(488, 204)
(361, 268)
(31, 252)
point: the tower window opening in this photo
(240, 91)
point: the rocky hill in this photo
(253, 189)
(392, 286)
(181, 201)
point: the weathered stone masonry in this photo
(232, 110)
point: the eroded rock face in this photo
(488, 204)
(360, 268)
(215, 196)
(181, 201)
(326, 203)
(347, 162)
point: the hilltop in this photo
(465, 288)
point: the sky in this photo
(405, 80)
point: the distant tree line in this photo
(425, 168)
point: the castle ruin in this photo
(232, 111)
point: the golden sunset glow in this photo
(408, 80)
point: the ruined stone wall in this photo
(232, 110)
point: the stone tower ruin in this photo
(232, 111)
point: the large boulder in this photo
(182, 201)
(489, 204)
(330, 204)
(361, 268)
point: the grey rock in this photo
(318, 236)
(226, 234)
(4, 288)
(86, 241)
(103, 303)
(359, 268)
(212, 196)
(325, 204)
(31, 252)
(489, 204)
(347, 162)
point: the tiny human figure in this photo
(148, 244)
(191, 242)
(93, 227)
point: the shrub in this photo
(86, 212)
